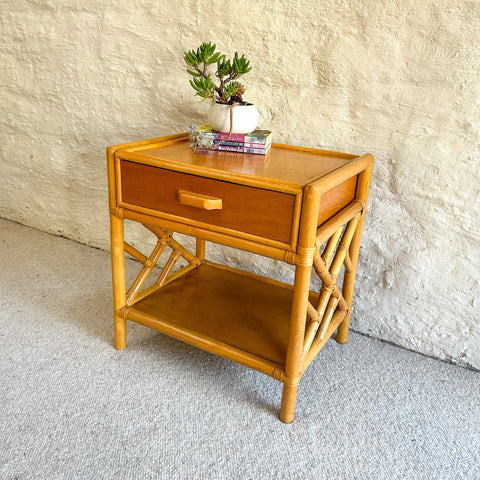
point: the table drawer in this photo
(256, 211)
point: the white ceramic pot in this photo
(244, 118)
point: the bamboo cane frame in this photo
(118, 281)
(330, 297)
(164, 239)
(299, 355)
(135, 253)
(117, 257)
(318, 342)
(148, 266)
(363, 187)
(302, 346)
(330, 247)
(200, 249)
(306, 243)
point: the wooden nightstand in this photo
(302, 206)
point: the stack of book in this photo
(204, 137)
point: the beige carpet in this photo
(74, 408)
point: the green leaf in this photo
(214, 58)
(205, 51)
(224, 68)
(195, 74)
(203, 87)
(240, 64)
(191, 58)
(193, 85)
(232, 89)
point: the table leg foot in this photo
(342, 331)
(120, 333)
(289, 396)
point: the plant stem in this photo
(219, 89)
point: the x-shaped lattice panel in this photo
(164, 239)
(330, 299)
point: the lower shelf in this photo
(224, 307)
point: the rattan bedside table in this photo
(302, 206)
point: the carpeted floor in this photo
(72, 407)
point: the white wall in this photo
(398, 79)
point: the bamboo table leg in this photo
(118, 280)
(349, 281)
(295, 343)
(303, 270)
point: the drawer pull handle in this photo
(199, 201)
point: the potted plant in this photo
(229, 112)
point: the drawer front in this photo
(255, 211)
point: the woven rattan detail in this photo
(304, 256)
(291, 382)
(164, 239)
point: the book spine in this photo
(241, 144)
(258, 151)
(255, 140)
(224, 148)
(236, 137)
(255, 145)
(229, 148)
(229, 143)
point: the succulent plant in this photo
(226, 88)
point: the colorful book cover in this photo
(204, 136)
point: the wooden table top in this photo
(283, 164)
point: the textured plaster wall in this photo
(398, 79)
